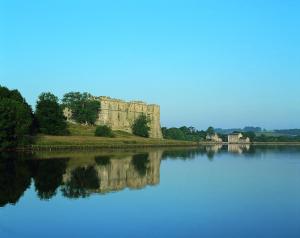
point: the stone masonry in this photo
(120, 115)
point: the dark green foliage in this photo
(249, 134)
(245, 129)
(82, 181)
(14, 180)
(84, 108)
(223, 137)
(49, 115)
(264, 138)
(102, 160)
(174, 133)
(210, 154)
(141, 126)
(140, 163)
(210, 130)
(14, 95)
(48, 175)
(15, 119)
(104, 131)
(183, 133)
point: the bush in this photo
(140, 126)
(104, 131)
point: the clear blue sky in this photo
(220, 63)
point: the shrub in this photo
(140, 126)
(104, 131)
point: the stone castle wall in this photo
(120, 115)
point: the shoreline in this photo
(96, 147)
(124, 146)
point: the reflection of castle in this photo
(213, 148)
(82, 174)
(214, 138)
(113, 174)
(238, 148)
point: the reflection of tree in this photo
(102, 160)
(140, 163)
(48, 176)
(184, 153)
(250, 151)
(82, 180)
(14, 180)
(210, 155)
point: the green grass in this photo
(81, 130)
(83, 136)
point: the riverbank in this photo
(82, 138)
(45, 142)
(49, 143)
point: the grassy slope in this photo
(84, 136)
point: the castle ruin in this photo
(120, 115)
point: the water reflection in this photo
(105, 174)
(238, 148)
(47, 175)
(14, 180)
(82, 174)
(76, 177)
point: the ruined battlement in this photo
(120, 115)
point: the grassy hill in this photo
(82, 136)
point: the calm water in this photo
(204, 192)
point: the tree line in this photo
(19, 123)
(186, 133)
(192, 134)
(47, 176)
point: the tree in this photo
(102, 160)
(48, 176)
(83, 106)
(210, 130)
(15, 119)
(183, 133)
(49, 115)
(174, 134)
(82, 181)
(140, 126)
(104, 131)
(250, 134)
